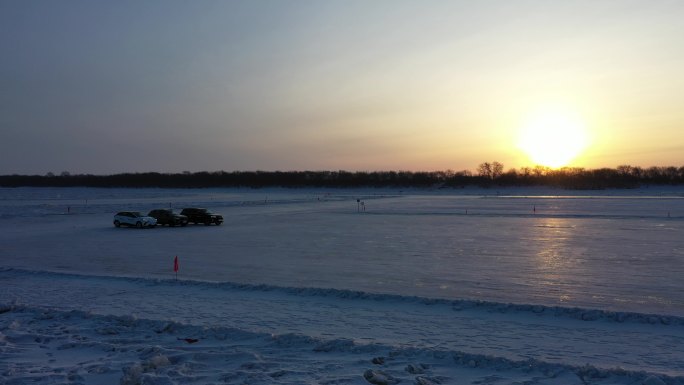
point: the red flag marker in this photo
(175, 266)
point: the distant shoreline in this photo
(622, 177)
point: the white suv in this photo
(133, 218)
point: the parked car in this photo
(133, 218)
(200, 215)
(168, 217)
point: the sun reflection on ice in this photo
(554, 243)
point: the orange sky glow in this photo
(353, 85)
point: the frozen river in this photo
(312, 286)
(621, 251)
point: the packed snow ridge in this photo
(456, 305)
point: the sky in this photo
(106, 87)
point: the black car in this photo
(168, 217)
(199, 215)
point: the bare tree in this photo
(490, 170)
(485, 170)
(497, 169)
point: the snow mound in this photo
(135, 351)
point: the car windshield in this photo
(135, 214)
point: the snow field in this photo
(497, 338)
(425, 287)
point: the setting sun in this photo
(553, 138)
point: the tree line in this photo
(488, 174)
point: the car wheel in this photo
(183, 224)
(117, 223)
(138, 225)
(218, 223)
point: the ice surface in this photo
(577, 289)
(608, 252)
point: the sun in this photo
(553, 138)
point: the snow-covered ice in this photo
(464, 286)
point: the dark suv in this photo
(168, 217)
(198, 215)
